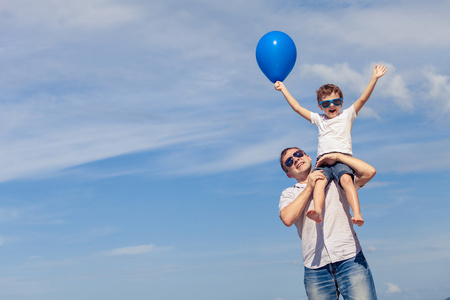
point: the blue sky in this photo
(139, 145)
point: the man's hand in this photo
(313, 177)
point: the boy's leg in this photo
(347, 184)
(318, 199)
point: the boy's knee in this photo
(322, 184)
(346, 179)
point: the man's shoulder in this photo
(287, 190)
(292, 190)
(289, 194)
(297, 186)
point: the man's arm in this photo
(279, 86)
(378, 71)
(290, 214)
(363, 171)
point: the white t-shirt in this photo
(334, 239)
(335, 134)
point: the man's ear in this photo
(321, 108)
(288, 175)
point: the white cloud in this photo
(92, 14)
(369, 112)
(438, 89)
(34, 148)
(371, 249)
(340, 74)
(87, 80)
(14, 286)
(397, 156)
(244, 156)
(406, 250)
(392, 85)
(392, 288)
(68, 104)
(225, 157)
(392, 24)
(9, 214)
(87, 236)
(378, 184)
(133, 250)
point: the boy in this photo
(334, 136)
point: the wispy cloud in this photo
(82, 123)
(96, 14)
(110, 88)
(9, 214)
(392, 288)
(87, 236)
(186, 85)
(132, 250)
(398, 157)
(438, 85)
(390, 24)
(405, 250)
(12, 286)
(392, 85)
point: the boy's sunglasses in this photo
(290, 161)
(327, 103)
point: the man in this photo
(332, 256)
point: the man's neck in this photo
(303, 178)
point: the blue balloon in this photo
(276, 55)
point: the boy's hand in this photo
(279, 85)
(379, 71)
(327, 159)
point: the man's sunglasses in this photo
(327, 103)
(290, 161)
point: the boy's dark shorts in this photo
(335, 171)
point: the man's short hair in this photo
(283, 166)
(327, 90)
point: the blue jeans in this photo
(352, 278)
(335, 171)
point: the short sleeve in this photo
(287, 196)
(315, 118)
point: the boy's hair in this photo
(283, 153)
(328, 89)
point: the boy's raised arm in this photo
(378, 71)
(279, 86)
